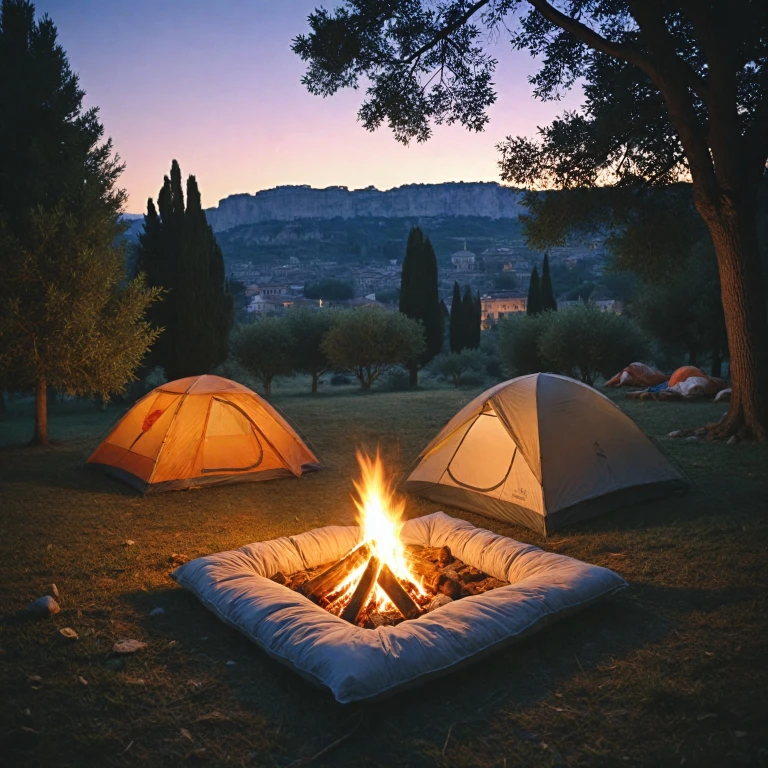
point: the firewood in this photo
(395, 592)
(326, 582)
(434, 578)
(469, 574)
(279, 578)
(362, 593)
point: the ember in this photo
(382, 581)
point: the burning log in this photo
(434, 578)
(362, 593)
(395, 592)
(327, 581)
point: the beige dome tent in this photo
(202, 430)
(542, 451)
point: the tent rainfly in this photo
(202, 430)
(542, 451)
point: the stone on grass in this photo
(67, 633)
(157, 612)
(676, 433)
(733, 440)
(693, 439)
(82, 680)
(43, 606)
(178, 559)
(51, 590)
(128, 543)
(128, 646)
(231, 663)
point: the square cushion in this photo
(356, 664)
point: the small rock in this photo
(231, 663)
(186, 734)
(51, 590)
(701, 431)
(438, 601)
(128, 646)
(43, 606)
(157, 612)
(693, 439)
(733, 440)
(128, 543)
(178, 559)
(82, 680)
(67, 634)
(676, 433)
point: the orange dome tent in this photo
(202, 430)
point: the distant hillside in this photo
(475, 199)
(361, 239)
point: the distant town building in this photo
(497, 305)
(293, 261)
(464, 260)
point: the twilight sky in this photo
(216, 86)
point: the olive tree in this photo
(369, 341)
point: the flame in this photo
(380, 516)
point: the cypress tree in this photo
(533, 306)
(548, 301)
(456, 322)
(470, 320)
(178, 252)
(419, 297)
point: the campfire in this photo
(382, 581)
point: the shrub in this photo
(369, 341)
(340, 380)
(518, 343)
(265, 350)
(585, 343)
(456, 366)
(397, 379)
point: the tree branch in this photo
(593, 39)
(446, 31)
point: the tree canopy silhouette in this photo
(671, 90)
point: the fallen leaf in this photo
(707, 716)
(82, 680)
(186, 734)
(128, 646)
(35, 681)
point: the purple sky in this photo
(216, 86)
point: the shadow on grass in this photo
(471, 698)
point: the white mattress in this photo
(357, 664)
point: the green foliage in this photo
(369, 341)
(547, 294)
(265, 349)
(584, 343)
(308, 329)
(179, 253)
(388, 296)
(683, 313)
(470, 334)
(518, 343)
(454, 366)
(534, 304)
(419, 297)
(330, 289)
(68, 319)
(456, 321)
(505, 281)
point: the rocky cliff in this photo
(486, 199)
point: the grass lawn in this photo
(671, 672)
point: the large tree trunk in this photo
(41, 413)
(734, 234)
(315, 377)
